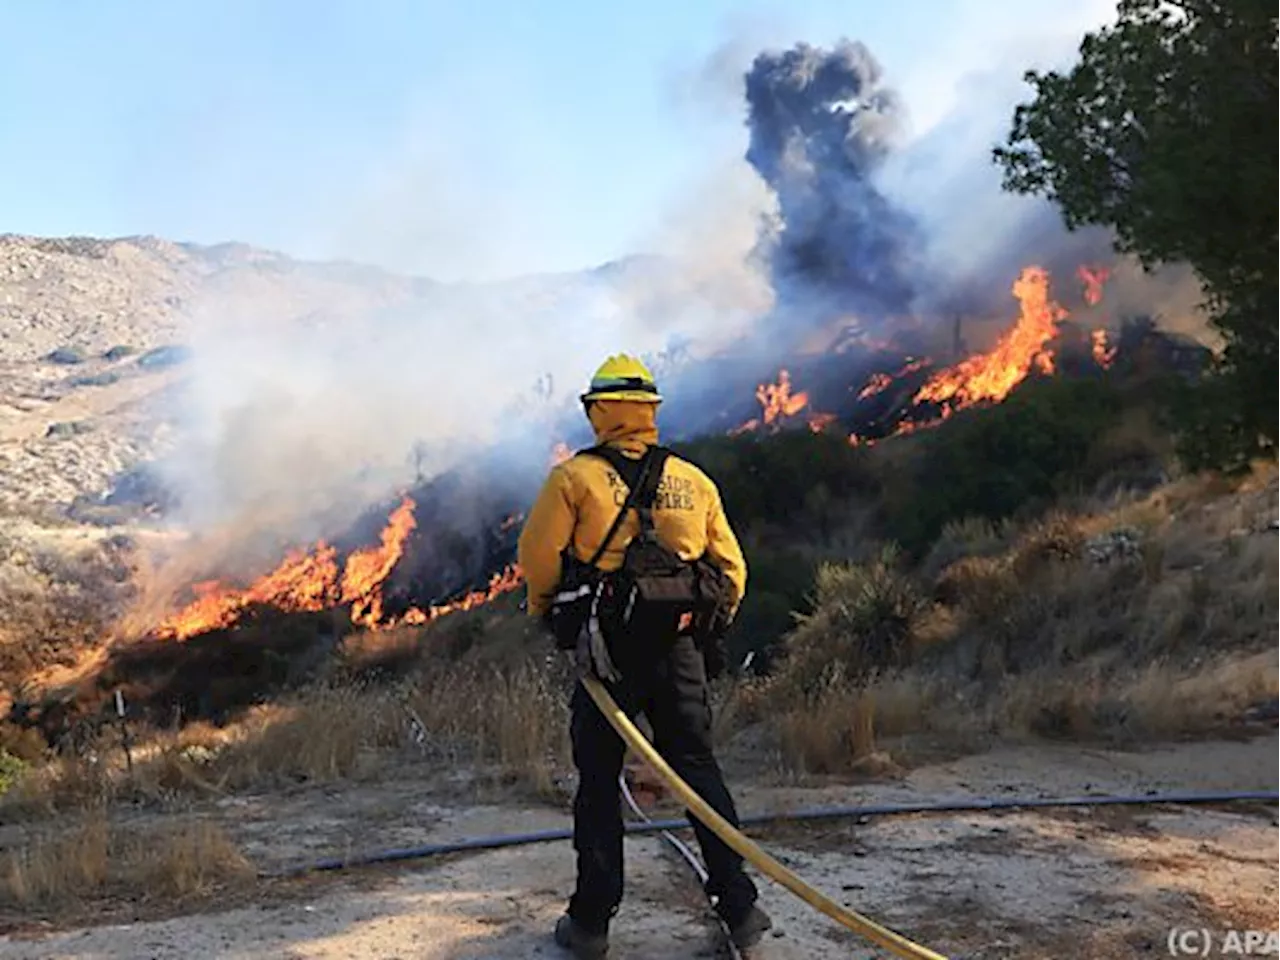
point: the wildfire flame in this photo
(1093, 278)
(508, 579)
(302, 582)
(1103, 352)
(820, 421)
(990, 376)
(879, 382)
(776, 401)
(311, 581)
(367, 569)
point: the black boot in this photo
(748, 932)
(582, 943)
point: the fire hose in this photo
(892, 941)
(628, 731)
(804, 815)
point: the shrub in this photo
(862, 623)
(781, 479)
(166, 356)
(104, 379)
(11, 769)
(998, 461)
(67, 355)
(779, 581)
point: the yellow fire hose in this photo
(895, 943)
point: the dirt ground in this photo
(1093, 882)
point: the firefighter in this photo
(660, 672)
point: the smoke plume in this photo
(821, 125)
(298, 417)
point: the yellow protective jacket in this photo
(582, 496)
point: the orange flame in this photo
(310, 581)
(302, 581)
(990, 376)
(367, 569)
(508, 579)
(1103, 353)
(820, 421)
(1093, 278)
(777, 400)
(878, 382)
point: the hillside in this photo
(93, 335)
(931, 603)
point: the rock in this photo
(69, 428)
(1122, 543)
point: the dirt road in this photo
(1099, 883)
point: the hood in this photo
(624, 423)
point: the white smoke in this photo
(314, 391)
(307, 399)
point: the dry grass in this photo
(1027, 633)
(322, 734)
(185, 858)
(515, 717)
(1160, 701)
(511, 721)
(832, 733)
(59, 590)
(1009, 629)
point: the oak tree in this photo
(1165, 131)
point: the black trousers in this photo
(670, 688)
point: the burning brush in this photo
(989, 377)
(309, 581)
(910, 398)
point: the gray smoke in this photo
(821, 125)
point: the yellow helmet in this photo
(623, 378)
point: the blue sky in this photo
(458, 140)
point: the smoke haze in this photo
(295, 420)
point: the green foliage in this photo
(783, 478)
(862, 623)
(995, 461)
(1163, 131)
(783, 493)
(1217, 427)
(11, 768)
(779, 583)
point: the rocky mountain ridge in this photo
(92, 335)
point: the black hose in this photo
(689, 858)
(957, 805)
